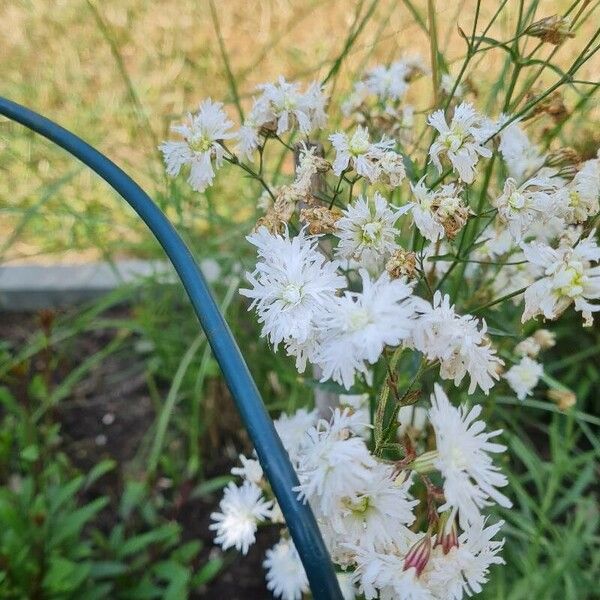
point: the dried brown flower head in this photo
(402, 263)
(552, 30)
(320, 219)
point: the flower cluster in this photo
(366, 510)
(382, 272)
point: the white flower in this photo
(462, 571)
(357, 326)
(332, 463)
(432, 209)
(250, 470)
(367, 231)
(283, 102)
(520, 155)
(347, 587)
(247, 140)
(462, 457)
(523, 377)
(569, 278)
(359, 406)
(357, 152)
(376, 513)
(242, 508)
(292, 430)
(291, 284)
(583, 193)
(385, 576)
(286, 577)
(388, 82)
(522, 206)
(201, 134)
(279, 107)
(462, 141)
(458, 342)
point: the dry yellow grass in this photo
(61, 58)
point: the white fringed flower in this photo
(292, 283)
(462, 457)
(524, 376)
(241, 509)
(332, 463)
(250, 469)
(388, 83)
(284, 103)
(522, 158)
(520, 207)
(247, 140)
(571, 276)
(347, 587)
(292, 430)
(281, 106)
(367, 231)
(385, 575)
(462, 141)
(286, 577)
(465, 568)
(357, 326)
(357, 152)
(458, 342)
(375, 514)
(583, 193)
(202, 133)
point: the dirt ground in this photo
(88, 436)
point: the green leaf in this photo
(30, 453)
(168, 533)
(208, 572)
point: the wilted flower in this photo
(553, 30)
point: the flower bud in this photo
(553, 30)
(562, 157)
(425, 463)
(546, 339)
(418, 555)
(564, 399)
(447, 534)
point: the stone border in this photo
(26, 288)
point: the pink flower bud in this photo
(447, 535)
(418, 555)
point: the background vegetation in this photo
(116, 429)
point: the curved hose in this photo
(273, 457)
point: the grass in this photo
(120, 72)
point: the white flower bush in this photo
(384, 273)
